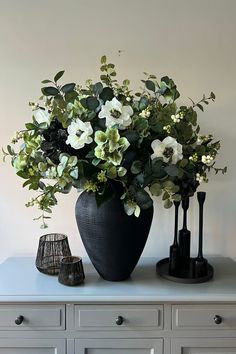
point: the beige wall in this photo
(191, 41)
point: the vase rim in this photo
(53, 237)
(70, 259)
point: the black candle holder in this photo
(189, 270)
(71, 271)
(52, 248)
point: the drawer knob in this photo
(217, 319)
(119, 320)
(19, 320)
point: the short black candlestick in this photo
(200, 263)
(184, 237)
(174, 259)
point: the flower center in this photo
(115, 113)
(79, 133)
(168, 152)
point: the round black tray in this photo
(162, 268)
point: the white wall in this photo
(191, 41)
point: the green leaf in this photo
(92, 103)
(131, 136)
(26, 183)
(143, 103)
(58, 75)
(168, 203)
(126, 82)
(156, 189)
(103, 59)
(97, 88)
(169, 186)
(212, 95)
(46, 81)
(177, 197)
(22, 174)
(30, 126)
(10, 150)
(183, 163)
(157, 168)
(136, 167)
(172, 170)
(71, 96)
(68, 87)
(106, 94)
(143, 199)
(83, 101)
(150, 85)
(50, 91)
(200, 107)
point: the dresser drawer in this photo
(201, 317)
(118, 317)
(32, 317)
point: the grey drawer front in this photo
(104, 316)
(43, 317)
(201, 317)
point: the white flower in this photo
(42, 116)
(116, 113)
(200, 178)
(168, 149)
(207, 159)
(79, 134)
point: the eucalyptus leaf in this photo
(156, 189)
(172, 170)
(68, 88)
(143, 199)
(50, 91)
(168, 203)
(143, 103)
(97, 88)
(92, 103)
(103, 59)
(150, 85)
(58, 75)
(136, 167)
(106, 94)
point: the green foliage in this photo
(101, 137)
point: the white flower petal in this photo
(42, 116)
(107, 112)
(79, 134)
(160, 146)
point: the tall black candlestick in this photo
(184, 237)
(174, 259)
(200, 263)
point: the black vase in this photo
(113, 240)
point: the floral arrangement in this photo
(103, 138)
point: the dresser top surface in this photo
(20, 281)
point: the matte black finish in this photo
(196, 270)
(119, 320)
(71, 271)
(113, 240)
(200, 267)
(185, 237)
(52, 248)
(186, 277)
(174, 259)
(19, 320)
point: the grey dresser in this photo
(143, 315)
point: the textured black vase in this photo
(113, 240)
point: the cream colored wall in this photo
(191, 41)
